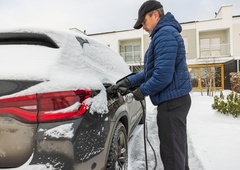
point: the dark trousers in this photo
(171, 120)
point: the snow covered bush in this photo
(229, 105)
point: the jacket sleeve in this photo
(136, 79)
(165, 48)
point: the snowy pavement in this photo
(213, 138)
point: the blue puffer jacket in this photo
(165, 75)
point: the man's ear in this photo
(156, 15)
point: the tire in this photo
(118, 154)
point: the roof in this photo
(210, 60)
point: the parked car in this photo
(55, 112)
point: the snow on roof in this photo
(210, 60)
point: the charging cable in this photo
(145, 135)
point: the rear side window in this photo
(27, 38)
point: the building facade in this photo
(212, 48)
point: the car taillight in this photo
(46, 107)
(22, 108)
(62, 105)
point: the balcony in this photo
(132, 58)
(215, 50)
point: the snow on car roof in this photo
(24, 61)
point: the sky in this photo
(97, 16)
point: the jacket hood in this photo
(167, 20)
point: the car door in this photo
(134, 109)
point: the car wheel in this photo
(117, 158)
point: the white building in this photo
(212, 47)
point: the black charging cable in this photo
(146, 139)
(144, 135)
(123, 91)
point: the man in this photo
(165, 79)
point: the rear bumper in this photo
(83, 144)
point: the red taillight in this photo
(46, 107)
(23, 108)
(62, 105)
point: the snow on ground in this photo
(213, 138)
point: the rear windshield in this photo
(13, 86)
(27, 38)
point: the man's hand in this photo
(112, 89)
(137, 94)
(122, 86)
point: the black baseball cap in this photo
(146, 7)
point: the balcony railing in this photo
(216, 50)
(132, 58)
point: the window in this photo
(137, 54)
(185, 39)
(128, 53)
(210, 47)
(132, 54)
(27, 39)
(205, 76)
(215, 46)
(194, 76)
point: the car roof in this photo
(46, 54)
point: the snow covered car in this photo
(55, 112)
